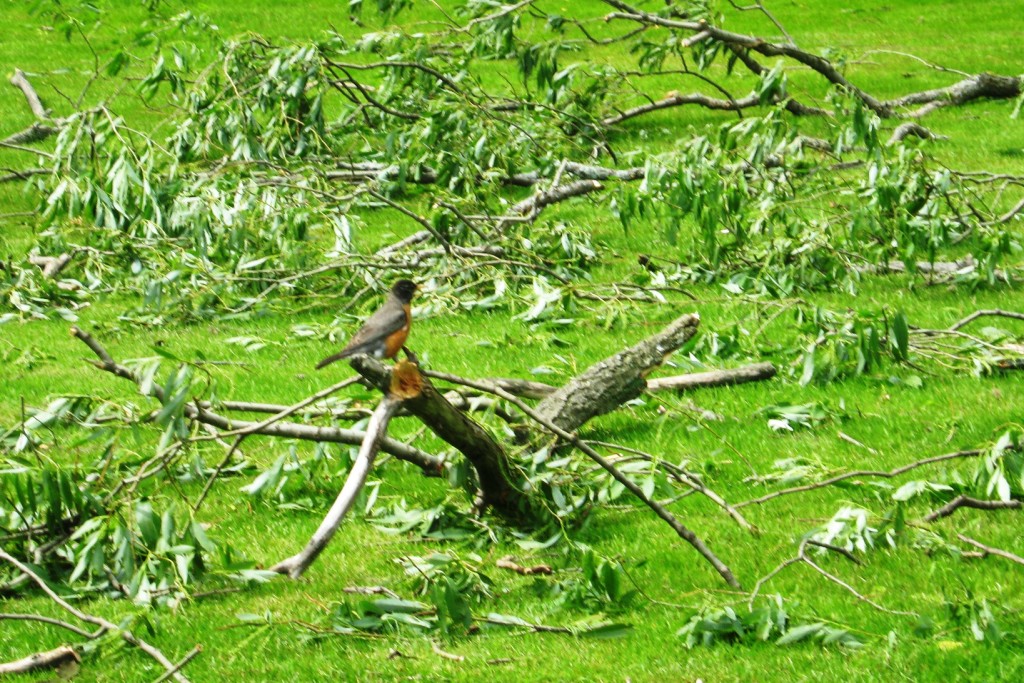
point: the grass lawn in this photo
(282, 629)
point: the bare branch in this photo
(912, 128)
(181, 664)
(377, 427)
(609, 383)
(676, 99)
(992, 551)
(968, 502)
(971, 88)
(713, 378)
(983, 313)
(801, 557)
(51, 659)
(50, 620)
(20, 81)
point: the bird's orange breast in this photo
(393, 342)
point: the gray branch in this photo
(609, 383)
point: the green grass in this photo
(40, 361)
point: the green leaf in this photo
(799, 633)
(608, 631)
(901, 334)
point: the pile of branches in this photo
(257, 195)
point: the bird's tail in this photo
(344, 353)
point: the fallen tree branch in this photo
(971, 88)
(19, 81)
(37, 132)
(992, 551)
(429, 463)
(50, 620)
(525, 388)
(181, 664)
(973, 453)
(801, 557)
(985, 312)
(909, 128)
(51, 659)
(509, 563)
(713, 378)
(377, 427)
(675, 99)
(609, 383)
(974, 503)
(50, 265)
(690, 480)
(681, 530)
(531, 206)
(22, 175)
(974, 87)
(364, 171)
(489, 459)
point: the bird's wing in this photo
(385, 321)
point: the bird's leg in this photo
(410, 355)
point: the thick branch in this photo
(971, 88)
(370, 170)
(611, 382)
(681, 530)
(535, 204)
(486, 455)
(19, 81)
(909, 128)
(50, 659)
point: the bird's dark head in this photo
(404, 290)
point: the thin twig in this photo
(801, 557)
(973, 453)
(181, 664)
(985, 312)
(992, 551)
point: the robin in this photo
(384, 332)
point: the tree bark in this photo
(611, 382)
(492, 464)
(713, 378)
(50, 659)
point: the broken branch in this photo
(968, 502)
(51, 659)
(377, 427)
(609, 383)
